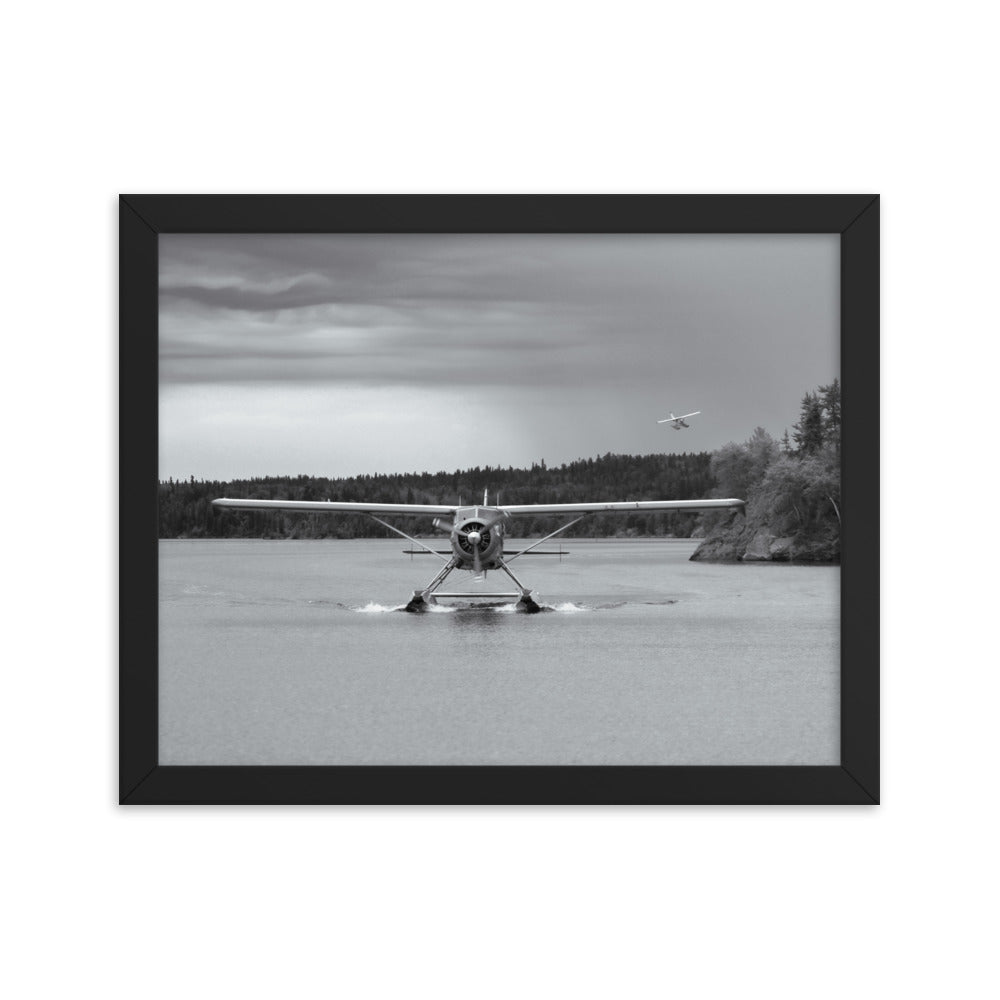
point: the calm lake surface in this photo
(284, 652)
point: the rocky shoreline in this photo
(744, 542)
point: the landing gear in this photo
(525, 602)
(423, 599)
(471, 540)
(418, 603)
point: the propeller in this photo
(475, 537)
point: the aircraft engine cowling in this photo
(477, 541)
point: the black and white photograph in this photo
(322, 320)
(499, 499)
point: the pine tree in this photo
(830, 400)
(808, 432)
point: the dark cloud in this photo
(602, 328)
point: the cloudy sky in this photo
(344, 354)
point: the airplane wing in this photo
(334, 506)
(431, 510)
(623, 507)
(684, 415)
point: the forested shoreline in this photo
(791, 487)
(185, 506)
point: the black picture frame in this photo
(143, 217)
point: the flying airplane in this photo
(678, 422)
(476, 533)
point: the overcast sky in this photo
(337, 355)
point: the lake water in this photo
(285, 652)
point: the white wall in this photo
(448, 97)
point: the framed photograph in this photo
(504, 499)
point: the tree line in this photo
(792, 486)
(186, 511)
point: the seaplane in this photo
(476, 534)
(678, 422)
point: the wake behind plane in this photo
(678, 422)
(476, 533)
